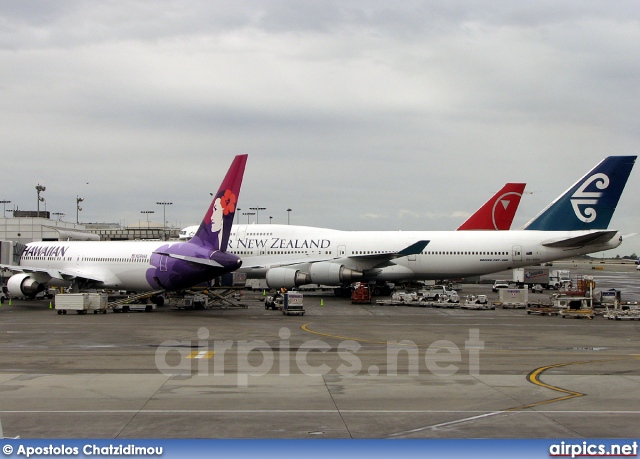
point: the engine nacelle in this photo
(23, 285)
(333, 274)
(286, 277)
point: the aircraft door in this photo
(517, 253)
(342, 251)
(163, 263)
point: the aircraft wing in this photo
(373, 260)
(582, 240)
(262, 262)
(413, 249)
(61, 274)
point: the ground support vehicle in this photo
(439, 294)
(361, 294)
(543, 311)
(196, 301)
(476, 302)
(578, 313)
(513, 298)
(576, 307)
(624, 311)
(292, 304)
(273, 302)
(138, 302)
(547, 278)
(499, 284)
(619, 314)
(443, 302)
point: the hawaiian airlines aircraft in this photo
(574, 224)
(137, 265)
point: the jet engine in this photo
(319, 273)
(286, 277)
(333, 274)
(23, 285)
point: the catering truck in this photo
(547, 278)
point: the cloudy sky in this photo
(401, 115)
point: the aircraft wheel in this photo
(59, 312)
(158, 300)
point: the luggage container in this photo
(78, 302)
(98, 303)
(292, 304)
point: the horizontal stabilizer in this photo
(582, 240)
(199, 261)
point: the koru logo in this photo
(588, 198)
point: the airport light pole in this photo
(288, 214)
(247, 214)
(238, 209)
(164, 205)
(257, 209)
(4, 206)
(270, 217)
(40, 189)
(4, 215)
(147, 212)
(78, 208)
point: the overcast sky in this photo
(376, 115)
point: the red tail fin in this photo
(498, 212)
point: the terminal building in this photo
(30, 226)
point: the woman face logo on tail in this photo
(222, 210)
(216, 216)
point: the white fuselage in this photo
(449, 254)
(118, 264)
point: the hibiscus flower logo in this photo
(228, 202)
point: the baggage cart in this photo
(78, 302)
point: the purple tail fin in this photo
(216, 226)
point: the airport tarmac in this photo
(339, 371)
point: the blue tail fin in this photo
(590, 202)
(216, 225)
